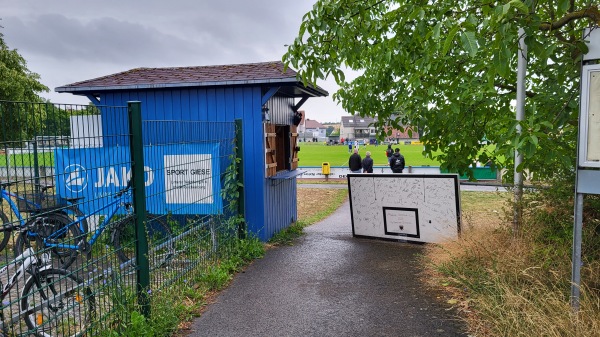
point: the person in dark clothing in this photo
(389, 153)
(397, 161)
(355, 162)
(367, 163)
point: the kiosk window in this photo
(281, 151)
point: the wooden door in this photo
(295, 147)
(270, 150)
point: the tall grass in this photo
(507, 285)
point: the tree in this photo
(448, 67)
(329, 130)
(17, 83)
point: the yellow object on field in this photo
(417, 143)
(325, 169)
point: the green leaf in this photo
(436, 31)
(518, 4)
(449, 39)
(469, 43)
(534, 139)
(502, 62)
(431, 90)
(530, 149)
(563, 6)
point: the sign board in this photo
(180, 179)
(410, 207)
(589, 121)
(340, 172)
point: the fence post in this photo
(136, 147)
(239, 144)
(36, 166)
(7, 154)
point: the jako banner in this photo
(180, 179)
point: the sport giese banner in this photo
(179, 179)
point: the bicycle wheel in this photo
(75, 214)
(160, 244)
(42, 228)
(5, 231)
(56, 303)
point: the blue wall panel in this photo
(280, 195)
(270, 206)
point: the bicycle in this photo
(53, 302)
(67, 241)
(35, 204)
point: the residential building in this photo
(356, 127)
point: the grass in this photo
(314, 154)
(507, 285)
(483, 209)
(311, 154)
(174, 307)
(27, 160)
(311, 209)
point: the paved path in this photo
(330, 284)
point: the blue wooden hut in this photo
(263, 95)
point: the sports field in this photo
(314, 154)
(311, 154)
(44, 159)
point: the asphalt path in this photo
(331, 284)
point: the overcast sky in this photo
(67, 41)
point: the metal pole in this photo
(521, 71)
(136, 148)
(36, 166)
(7, 153)
(577, 237)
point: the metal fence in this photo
(103, 211)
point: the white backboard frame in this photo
(405, 207)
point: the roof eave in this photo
(311, 91)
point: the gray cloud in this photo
(72, 40)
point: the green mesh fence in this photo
(69, 248)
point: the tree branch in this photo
(512, 88)
(591, 13)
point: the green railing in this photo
(105, 258)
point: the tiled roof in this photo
(311, 124)
(265, 72)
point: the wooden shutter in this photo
(295, 148)
(270, 146)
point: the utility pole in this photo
(518, 181)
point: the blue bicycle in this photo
(68, 241)
(34, 204)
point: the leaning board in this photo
(407, 207)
